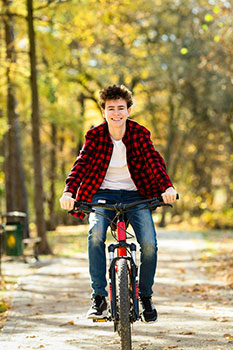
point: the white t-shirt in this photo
(118, 176)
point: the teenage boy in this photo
(119, 163)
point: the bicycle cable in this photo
(113, 232)
(113, 224)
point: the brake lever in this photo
(82, 208)
(166, 205)
(161, 204)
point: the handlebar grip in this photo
(160, 198)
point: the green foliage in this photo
(218, 219)
(3, 307)
(176, 57)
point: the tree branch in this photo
(91, 93)
(51, 2)
(12, 14)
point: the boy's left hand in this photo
(169, 196)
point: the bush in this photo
(218, 219)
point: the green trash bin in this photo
(13, 233)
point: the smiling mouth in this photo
(116, 119)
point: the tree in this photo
(176, 57)
(16, 193)
(38, 179)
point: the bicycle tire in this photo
(124, 325)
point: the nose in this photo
(115, 112)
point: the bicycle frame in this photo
(132, 267)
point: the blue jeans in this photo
(143, 226)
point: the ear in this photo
(129, 110)
(103, 112)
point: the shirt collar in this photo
(125, 137)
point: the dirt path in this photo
(52, 298)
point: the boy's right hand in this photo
(66, 201)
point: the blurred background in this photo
(176, 56)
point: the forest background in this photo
(176, 56)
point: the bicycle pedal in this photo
(100, 319)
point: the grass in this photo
(68, 241)
(3, 307)
(5, 300)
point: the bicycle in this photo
(123, 270)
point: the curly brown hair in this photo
(114, 92)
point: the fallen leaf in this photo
(187, 333)
(222, 319)
(116, 341)
(228, 336)
(189, 305)
(162, 332)
(161, 293)
(70, 295)
(31, 336)
(213, 319)
(70, 323)
(219, 319)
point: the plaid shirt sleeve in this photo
(155, 161)
(81, 165)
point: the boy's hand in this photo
(169, 196)
(66, 201)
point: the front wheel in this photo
(124, 327)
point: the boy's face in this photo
(116, 112)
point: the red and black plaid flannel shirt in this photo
(146, 166)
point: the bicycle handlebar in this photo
(152, 203)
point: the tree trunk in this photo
(51, 225)
(2, 154)
(81, 122)
(168, 151)
(16, 193)
(38, 181)
(9, 147)
(171, 133)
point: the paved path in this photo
(51, 300)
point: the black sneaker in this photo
(149, 313)
(98, 308)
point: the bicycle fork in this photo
(121, 246)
